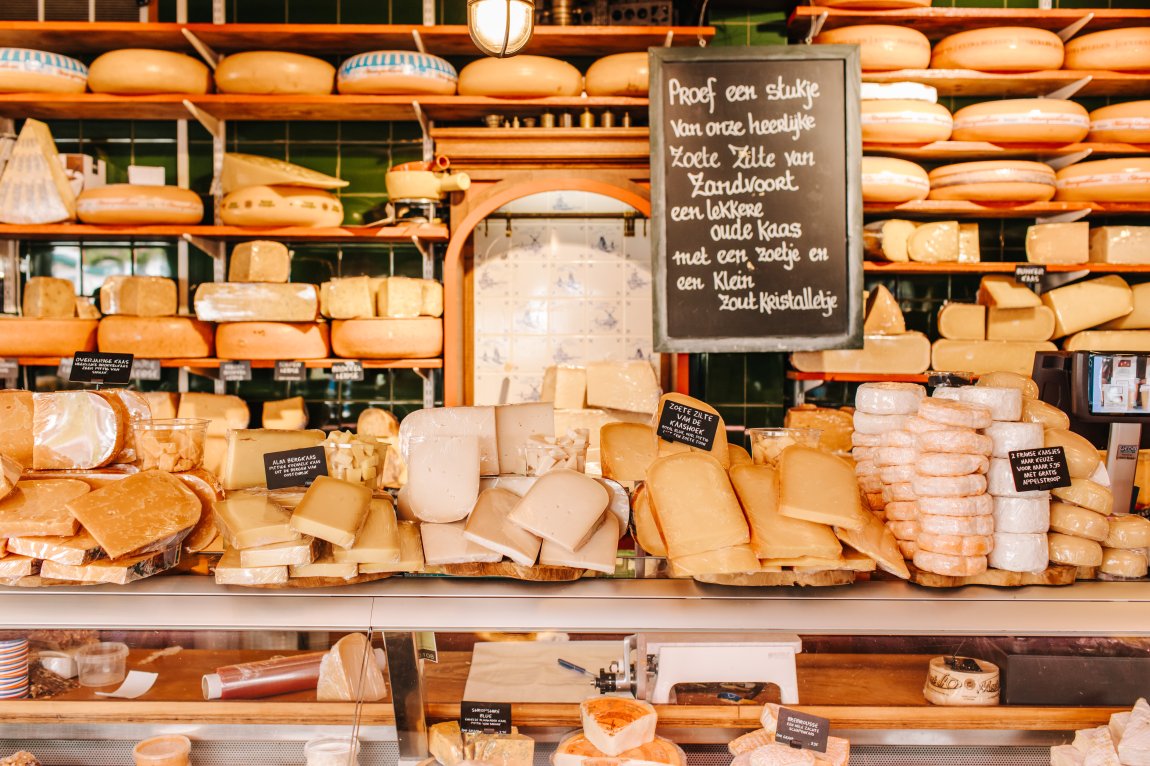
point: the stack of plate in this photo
(14, 669)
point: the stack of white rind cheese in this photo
(1124, 742)
(881, 410)
(759, 748)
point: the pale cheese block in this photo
(33, 186)
(1081, 455)
(223, 411)
(576, 750)
(1087, 494)
(272, 340)
(962, 321)
(489, 526)
(432, 298)
(675, 403)
(936, 242)
(248, 521)
(1019, 552)
(417, 338)
(349, 672)
(347, 298)
(1079, 522)
(515, 424)
(21, 336)
(1028, 324)
(647, 533)
(332, 510)
(76, 429)
(1134, 744)
(324, 565)
(905, 354)
(904, 121)
(969, 249)
(48, 298)
(737, 559)
(378, 541)
(410, 552)
(442, 477)
(25, 70)
(993, 181)
(563, 506)
(139, 296)
(259, 261)
(250, 170)
(520, 77)
(13, 566)
(889, 398)
(1082, 305)
(882, 47)
(1022, 120)
(1000, 482)
(86, 308)
(243, 465)
(627, 450)
(302, 550)
(1120, 244)
(274, 72)
(887, 240)
(695, 506)
(398, 297)
(141, 513)
(478, 422)
(396, 73)
(614, 725)
(833, 499)
(630, 386)
(999, 49)
(1126, 122)
(446, 544)
(598, 554)
(1005, 293)
(256, 302)
(286, 414)
(138, 205)
(281, 206)
(888, 180)
(156, 337)
(984, 356)
(10, 472)
(1125, 179)
(773, 535)
(38, 508)
(1121, 562)
(229, 571)
(144, 71)
(1054, 243)
(1122, 50)
(1066, 755)
(882, 315)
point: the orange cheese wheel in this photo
(1128, 122)
(902, 121)
(882, 47)
(26, 336)
(999, 49)
(142, 71)
(281, 206)
(156, 337)
(387, 338)
(623, 74)
(139, 205)
(1121, 50)
(1125, 179)
(993, 181)
(272, 340)
(890, 180)
(262, 72)
(1022, 120)
(520, 77)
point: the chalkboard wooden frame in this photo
(851, 335)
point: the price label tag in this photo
(687, 425)
(236, 371)
(799, 730)
(294, 372)
(9, 372)
(94, 367)
(146, 369)
(351, 370)
(1031, 275)
(485, 717)
(1039, 469)
(294, 467)
(425, 646)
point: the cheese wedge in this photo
(883, 315)
(615, 725)
(819, 487)
(695, 506)
(774, 536)
(598, 554)
(626, 450)
(489, 526)
(349, 673)
(1005, 293)
(687, 409)
(877, 542)
(563, 506)
(144, 512)
(410, 552)
(1082, 305)
(332, 510)
(248, 521)
(378, 541)
(36, 508)
(445, 544)
(647, 532)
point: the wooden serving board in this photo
(825, 579)
(508, 570)
(1056, 574)
(323, 582)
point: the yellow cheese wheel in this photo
(156, 337)
(1127, 122)
(281, 206)
(993, 181)
(882, 47)
(520, 77)
(140, 205)
(872, 5)
(1125, 179)
(142, 71)
(623, 74)
(272, 340)
(890, 180)
(23, 70)
(26, 336)
(420, 338)
(902, 121)
(1022, 120)
(396, 73)
(1122, 50)
(274, 72)
(999, 49)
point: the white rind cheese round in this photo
(999, 49)
(866, 423)
(973, 506)
(1003, 379)
(419, 338)
(882, 47)
(619, 75)
(1125, 179)
(24, 70)
(272, 340)
(889, 398)
(396, 73)
(890, 180)
(139, 205)
(1018, 552)
(993, 181)
(946, 685)
(281, 206)
(1128, 122)
(1009, 437)
(901, 121)
(1022, 515)
(1005, 404)
(143, 71)
(520, 77)
(1000, 482)
(1120, 50)
(274, 72)
(1022, 120)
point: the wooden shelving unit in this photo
(855, 377)
(998, 267)
(963, 151)
(74, 231)
(311, 364)
(964, 209)
(964, 82)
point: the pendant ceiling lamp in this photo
(500, 28)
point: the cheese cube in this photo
(1087, 304)
(563, 506)
(432, 294)
(349, 672)
(1054, 243)
(626, 450)
(489, 526)
(820, 487)
(883, 315)
(145, 512)
(614, 725)
(963, 321)
(332, 510)
(378, 541)
(565, 387)
(230, 571)
(36, 508)
(478, 422)
(695, 505)
(1120, 244)
(49, 298)
(247, 521)
(287, 414)
(515, 424)
(774, 536)
(146, 297)
(446, 544)
(347, 298)
(244, 459)
(303, 550)
(677, 403)
(442, 478)
(399, 297)
(628, 386)
(1005, 293)
(259, 261)
(410, 552)
(1035, 323)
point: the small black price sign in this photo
(294, 467)
(799, 730)
(680, 423)
(1039, 469)
(1031, 275)
(146, 369)
(94, 367)
(294, 372)
(485, 717)
(234, 372)
(350, 370)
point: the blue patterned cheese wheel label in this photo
(24, 69)
(409, 63)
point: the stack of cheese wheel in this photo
(520, 77)
(274, 72)
(1022, 120)
(619, 75)
(1128, 122)
(50, 323)
(993, 181)
(1125, 548)
(888, 180)
(140, 319)
(396, 73)
(1124, 179)
(134, 204)
(904, 121)
(1078, 515)
(878, 440)
(1121, 50)
(999, 49)
(263, 191)
(23, 70)
(143, 71)
(882, 47)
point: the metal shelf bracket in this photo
(1069, 216)
(206, 51)
(1076, 27)
(1068, 91)
(817, 23)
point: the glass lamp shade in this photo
(500, 27)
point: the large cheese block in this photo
(10, 472)
(563, 506)
(819, 487)
(993, 181)
(268, 72)
(139, 514)
(16, 414)
(75, 550)
(259, 261)
(520, 77)
(1125, 179)
(244, 462)
(962, 321)
(906, 354)
(288, 414)
(272, 340)
(1035, 323)
(132, 204)
(1082, 305)
(24, 70)
(1108, 340)
(982, 356)
(695, 505)
(33, 186)
(935, 242)
(76, 429)
(454, 421)
(615, 725)
(397, 297)
(252, 170)
(893, 181)
(1126, 122)
(1051, 243)
(22, 336)
(1122, 50)
(1022, 120)
(36, 508)
(139, 296)
(349, 672)
(679, 407)
(257, 302)
(515, 425)
(144, 71)
(999, 49)
(489, 526)
(1139, 318)
(1120, 244)
(397, 73)
(156, 337)
(626, 450)
(630, 386)
(281, 206)
(223, 412)
(882, 47)
(113, 572)
(417, 338)
(773, 535)
(332, 510)
(624, 75)
(442, 477)
(904, 121)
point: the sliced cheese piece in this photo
(1004, 293)
(76, 430)
(378, 540)
(515, 424)
(33, 186)
(833, 499)
(887, 240)
(1082, 305)
(332, 510)
(244, 460)
(260, 261)
(629, 386)
(962, 321)
(244, 170)
(1057, 243)
(74, 550)
(979, 357)
(324, 565)
(935, 242)
(230, 571)
(906, 354)
(565, 387)
(141, 513)
(446, 544)
(626, 450)
(563, 506)
(1029, 324)
(598, 554)
(287, 414)
(442, 477)
(118, 572)
(490, 527)
(49, 298)
(614, 725)
(256, 302)
(695, 505)
(876, 542)
(223, 411)
(883, 315)
(37, 508)
(686, 408)
(302, 550)
(349, 672)
(347, 298)
(1120, 244)
(773, 535)
(248, 521)
(272, 340)
(969, 250)
(10, 472)
(156, 337)
(647, 533)
(410, 552)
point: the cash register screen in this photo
(1119, 384)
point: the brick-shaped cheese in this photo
(1120, 244)
(243, 464)
(332, 510)
(1030, 324)
(287, 414)
(628, 386)
(565, 386)
(49, 298)
(695, 505)
(1055, 243)
(224, 411)
(399, 297)
(257, 302)
(432, 294)
(145, 297)
(142, 513)
(259, 261)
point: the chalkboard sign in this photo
(756, 198)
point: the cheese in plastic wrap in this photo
(74, 550)
(115, 572)
(76, 430)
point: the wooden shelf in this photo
(365, 234)
(212, 364)
(855, 377)
(962, 209)
(962, 151)
(443, 40)
(965, 82)
(998, 267)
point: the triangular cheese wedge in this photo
(883, 315)
(34, 188)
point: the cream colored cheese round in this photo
(281, 206)
(623, 74)
(396, 73)
(993, 181)
(1022, 120)
(520, 77)
(272, 340)
(1124, 179)
(1121, 50)
(24, 70)
(882, 47)
(904, 122)
(274, 72)
(418, 338)
(999, 49)
(139, 205)
(890, 180)
(1127, 123)
(143, 71)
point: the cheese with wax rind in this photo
(281, 206)
(1080, 522)
(396, 73)
(25, 70)
(887, 240)
(614, 725)
(893, 181)
(1029, 324)
(145, 71)
(1126, 122)
(272, 340)
(1049, 416)
(1124, 179)
(520, 77)
(993, 181)
(22, 336)
(274, 72)
(962, 321)
(1087, 494)
(1123, 562)
(138, 205)
(1081, 455)
(906, 354)
(1022, 120)
(774, 536)
(904, 121)
(37, 508)
(979, 357)
(619, 75)
(332, 510)
(882, 47)
(156, 337)
(833, 499)
(1122, 50)
(564, 507)
(676, 402)
(76, 429)
(1075, 551)
(999, 49)
(417, 338)
(695, 506)
(1000, 481)
(141, 513)
(259, 261)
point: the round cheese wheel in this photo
(872, 5)
(1049, 416)
(960, 414)
(1074, 551)
(974, 505)
(999, 49)
(937, 524)
(897, 439)
(907, 91)
(1022, 515)
(951, 566)
(1009, 437)
(907, 548)
(959, 441)
(902, 511)
(887, 398)
(23, 70)
(895, 456)
(902, 492)
(1128, 531)
(890, 180)
(866, 468)
(859, 439)
(261, 72)
(28, 336)
(896, 474)
(520, 77)
(917, 425)
(156, 337)
(622, 74)
(272, 340)
(1005, 404)
(955, 545)
(1019, 552)
(139, 205)
(1128, 122)
(882, 47)
(864, 454)
(950, 464)
(871, 484)
(1004, 379)
(1125, 179)
(1000, 482)
(1022, 120)
(143, 71)
(1088, 494)
(1121, 50)
(1080, 522)
(1120, 562)
(866, 423)
(396, 73)
(904, 530)
(993, 181)
(949, 486)
(899, 121)
(420, 338)
(281, 206)
(1082, 458)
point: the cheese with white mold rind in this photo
(410, 552)
(982, 356)
(383, 338)
(1005, 404)
(260, 261)
(598, 554)
(833, 499)
(48, 298)
(627, 450)
(999, 49)
(1079, 522)
(1081, 455)
(887, 180)
(288, 414)
(244, 170)
(889, 398)
(514, 425)
(1008, 437)
(299, 551)
(906, 354)
(249, 521)
(349, 672)
(144, 512)
(629, 386)
(774, 536)
(229, 571)
(935, 242)
(1021, 515)
(76, 430)
(332, 510)
(489, 527)
(962, 321)
(1019, 552)
(563, 506)
(883, 315)
(1000, 481)
(887, 240)
(256, 302)
(446, 544)
(1022, 120)
(883, 47)
(1058, 243)
(442, 477)
(244, 461)
(156, 337)
(1087, 494)
(33, 186)
(347, 298)
(378, 540)
(37, 508)
(1029, 324)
